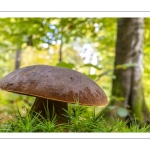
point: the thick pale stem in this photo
(41, 104)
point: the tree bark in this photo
(18, 59)
(128, 68)
(60, 51)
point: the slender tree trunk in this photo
(18, 53)
(60, 52)
(128, 70)
(18, 59)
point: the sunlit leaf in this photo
(122, 112)
(65, 65)
(92, 76)
(125, 66)
(94, 66)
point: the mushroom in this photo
(53, 87)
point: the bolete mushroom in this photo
(53, 87)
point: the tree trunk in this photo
(128, 70)
(60, 51)
(18, 59)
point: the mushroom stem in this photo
(41, 104)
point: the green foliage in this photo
(79, 120)
(93, 76)
(125, 66)
(28, 123)
(65, 65)
(94, 66)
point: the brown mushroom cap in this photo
(54, 83)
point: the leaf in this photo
(112, 76)
(65, 65)
(122, 112)
(92, 76)
(94, 66)
(125, 66)
(118, 98)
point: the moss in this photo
(118, 91)
(137, 101)
(137, 110)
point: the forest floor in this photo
(78, 121)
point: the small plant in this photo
(75, 118)
(49, 124)
(79, 120)
(29, 123)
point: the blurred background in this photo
(96, 47)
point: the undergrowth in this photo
(79, 120)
